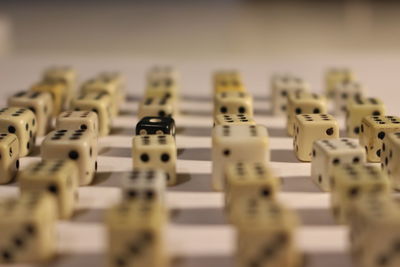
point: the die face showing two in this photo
(57, 90)
(156, 125)
(234, 119)
(56, 177)
(40, 103)
(78, 120)
(156, 151)
(373, 131)
(156, 107)
(22, 123)
(343, 92)
(359, 107)
(79, 146)
(248, 143)
(9, 157)
(312, 127)
(233, 102)
(301, 102)
(328, 153)
(389, 158)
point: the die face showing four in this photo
(234, 119)
(359, 107)
(225, 81)
(156, 151)
(156, 125)
(389, 158)
(9, 157)
(301, 102)
(57, 90)
(22, 123)
(337, 76)
(373, 132)
(56, 177)
(233, 102)
(237, 143)
(328, 153)
(79, 146)
(344, 92)
(312, 127)
(78, 120)
(158, 107)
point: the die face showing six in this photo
(373, 132)
(57, 90)
(359, 107)
(158, 107)
(156, 151)
(328, 153)
(22, 123)
(301, 102)
(156, 125)
(389, 158)
(233, 102)
(78, 120)
(237, 143)
(9, 157)
(79, 146)
(335, 76)
(56, 177)
(309, 128)
(225, 81)
(234, 119)
(344, 92)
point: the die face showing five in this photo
(22, 123)
(9, 157)
(301, 102)
(234, 119)
(58, 91)
(373, 132)
(158, 107)
(344, 92)
(78, 120)
(233, 102)
(237, 143)
(312, 127)
(156, 151)
(328, 153)
(156, 125)
(79, 146)
(359, 107)
(56, 177)
(389, 158)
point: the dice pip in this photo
(58, 91)
(56, 177)
(79, 146)
(335, 76)
(309, 128)
(9, 157)
(373, 132)
(78, 120)
(233, 102)
(28, 229)
(155, 106)
(156, 125)
(40, 103)
(389, 158)
(232, 143)
(234, 119)
(156, 151)
(22, 123)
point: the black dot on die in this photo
(353, 192)
(314, 153)
(356, 160)
(17, 164)
(223, 109)
(319, 178)
(11, 129)
(18, 242)
(161, 113)
(95, 166)
(242, 109)
(164, 157)
(265, 192)
(120, 262)
(376, 113)
(382, 260)
(83, 126)
(226, 152)
(378, 152)
(381, 135)
(6, 255)
(329, 131)
(316, 110)
(357, 130)
(30, 229)
(144, 157)
(298, 110)
(336, 161)
(131, 194)
(74, 155)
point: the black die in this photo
(156, 125)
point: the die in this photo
(345, 91)
(9, 157)
(359, 107)
(99, 103)
(389, 155)
(156, 125)
(328, 153)
(22, 123)
(231, 143)
(40, 103)
(335, 76)
(58, 91)
(27, 226)
(156, 151)
(233, 102)
(234, 119)
(118, 80)
(351, 183)
(301, 102)
(78, 120)
(163, 73)
(56, 177)
(281, 86)
(136, 234)
(157, 107)
(78, 145)
(63, 74)
(309, 128)
(146, 184)
(228, 81)
(163, 85)
(373, 132)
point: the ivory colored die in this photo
(9, 157)
(63, 74)
(344, 92)
(390, 158)
(224, 81)
(156, 106)
(233, 102)
(78, 120)
(58, 91)
(335, 76)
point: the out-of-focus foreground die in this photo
(390, 157)
(9, 157)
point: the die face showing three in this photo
(374, 129)
(312, 127)
(9, 157)
(389, 158)
(156, 125)
(78, 120)
(233, 102)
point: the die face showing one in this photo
(40, 103)
(336, 76)
(332, 152)
(156, 107)
(373, 132)
(156, 125)
(79, 146)
(237, 143)
(58, 91)
(234, 119)
(344, 92)
(22, 123)
(56, 177)
(225, 81)
(78, 120)
(99, 103)
(233, 102)
(309, 128)
(27, 229)
(156, 151)
(389, 158)
(301, 102)
(9, 157)
(357, 108)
